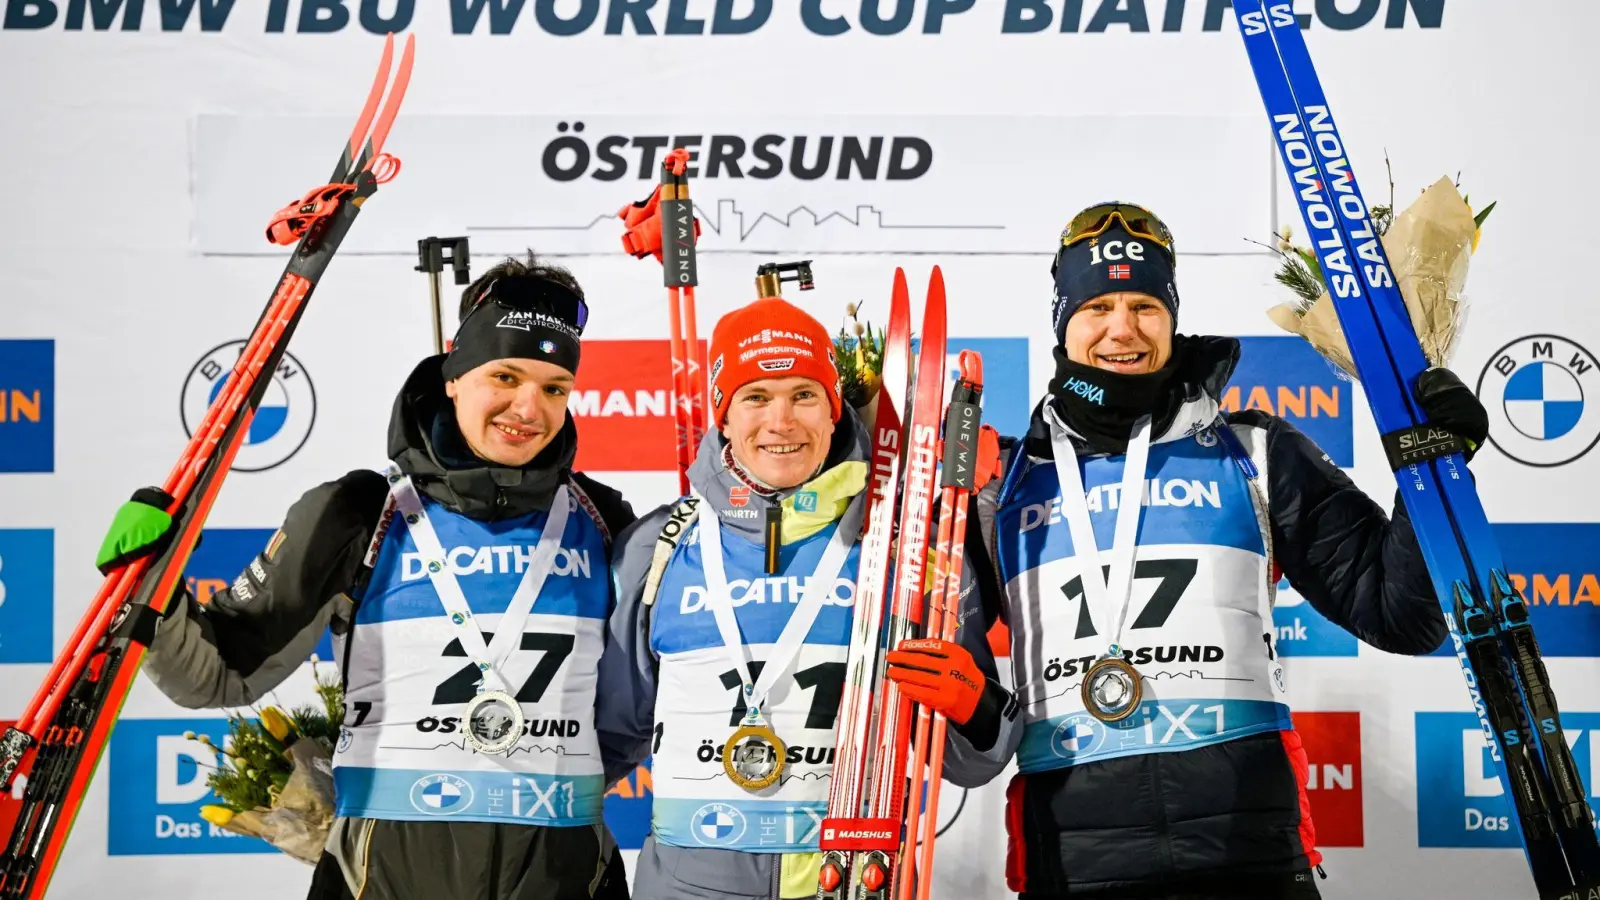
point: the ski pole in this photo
(433, 253)
(663, 225)
(945, 609)
(959, 477)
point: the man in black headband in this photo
(468, 589)
(511, 365)
(1157, 757)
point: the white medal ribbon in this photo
(720, 599)
(1099, 591)
(508, 634)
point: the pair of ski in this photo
(1488, 618)
(70, 718)
(869, 851)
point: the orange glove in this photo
(938, 674)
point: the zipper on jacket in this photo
(777, 875)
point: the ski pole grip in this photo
(679, 228)
(961, 430)
(971, 363)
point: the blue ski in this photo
(1487, 619)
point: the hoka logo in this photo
(497, 560)
(1176, 492)
(777, 589)
(1089, 392)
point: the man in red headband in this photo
(726, 655)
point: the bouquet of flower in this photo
(858, 355)
(277, 781)
(1429, 245)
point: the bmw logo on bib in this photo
(1542, 393)
(717, 824)
(441, 795)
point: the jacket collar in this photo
(426, 444)
(1206, 363)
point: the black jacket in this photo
(250, 637)
(1238, 807)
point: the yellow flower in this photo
(216, 815)
(276, 723)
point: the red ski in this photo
(70, 718)
(862, 831)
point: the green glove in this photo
(141, 528)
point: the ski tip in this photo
(380, 79)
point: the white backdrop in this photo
(139, 166)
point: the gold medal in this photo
(754, 756)
(1112, 689)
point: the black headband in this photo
(520, 317)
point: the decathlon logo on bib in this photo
(777, 589)
(497, 560)
(1178, 492)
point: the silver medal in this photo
(493, 722)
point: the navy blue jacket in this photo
(1232, 809)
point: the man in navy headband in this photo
(1137, 541)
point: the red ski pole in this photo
(663, 225)
(970, 459)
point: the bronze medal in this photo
(1112, 689)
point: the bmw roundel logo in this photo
(717, 824)
(441, 794)
(1542, 393)
(1077, 736)
(282, 422)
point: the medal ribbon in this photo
(720, 599)
(1099, 591)
(508, 634)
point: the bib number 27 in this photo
(462, 686)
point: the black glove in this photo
(1451, 405)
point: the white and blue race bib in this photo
(401, 754)
(699, 704)
(1198, 628)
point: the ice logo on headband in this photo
(547, 346)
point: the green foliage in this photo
(257, 763)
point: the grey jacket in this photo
(626, 694)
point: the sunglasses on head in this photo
(1100, 218)
(537, 294)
